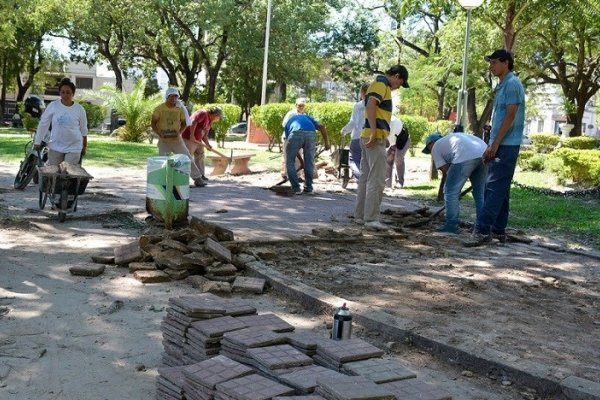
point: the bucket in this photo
(168, 188)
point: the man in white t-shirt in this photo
(395, 156)
(458, 156)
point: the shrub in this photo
(442, 126)
(95, 114)
(580, 143)
(417, 127)
(544, 142)
(269, 117)
(29, 122)
(581, 166)
(524, 157)
(536, 163)
(231, 113)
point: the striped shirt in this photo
(381, 91)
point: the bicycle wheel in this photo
(26, 172)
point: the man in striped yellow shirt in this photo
(378, 114)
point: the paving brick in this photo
(87, 270)
(218, 326)
(151, 276)
(253, 337)
(378, 370)
(279, 356)
(213, 371)
(416, 389)
(305, 379)
(103, 258)
(248, 284)
(267, 321)
(352, 388)
(216, 249)
(127, 253)
(253, 387)
(141, 266)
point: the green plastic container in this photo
(168, 188)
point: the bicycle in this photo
(28, 168)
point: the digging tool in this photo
(221, 154)
(300, 168)
(438, 212)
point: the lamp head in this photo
(470, 4)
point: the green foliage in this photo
(29, 122)
(417, 127)
(333, 116)
(269, 117)
(535, 163)
(524, 157)
(442, 126)
(580, 166)
(134, 107)
(231, 113)
(580, 143)
(95, 114)
(544, 142)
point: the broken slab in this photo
(177, 274)
(173, 244)
(103, 258)
(208, 228)
(173, 259)
(240, 260)
(127, 253)
(247, 284)
(151, 276)
(87, 270)
(141, 266)
(200, 258)
(221, 269)
(216, 249)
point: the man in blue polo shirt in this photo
(300, 133)
(508, 122)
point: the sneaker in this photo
(447, 229)
(205, 178)
(501, 237)
(199, 182)
(309, 193)
(376, 226)
(359, 221)
(298, 193)
(477, 239)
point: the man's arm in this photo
(511, 112)
(444, 168)
(371, 110)
(154, 125)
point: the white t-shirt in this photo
(395, 129)
(69, 126)
(357, 121)
(457, 148)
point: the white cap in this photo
(300, 101)
(171, 91)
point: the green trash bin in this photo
(168, 188)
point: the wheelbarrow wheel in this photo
(345, 177)
(26, 172)
(42, 200)
(64, 205)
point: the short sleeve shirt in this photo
(300, 122)
(380, 90)
(169, 119)
(509, 91)
(457, 148)
(203, 125)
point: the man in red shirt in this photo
(195, 136)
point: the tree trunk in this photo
(211, 85)
(3, 94)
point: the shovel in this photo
(438, 212)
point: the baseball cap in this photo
(400, 70)
(171, 91)
(430, 139)
(499, 54)
(300, 101)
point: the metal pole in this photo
(461, 107)
(263, 98)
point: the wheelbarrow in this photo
(342, 159)
(62, 184)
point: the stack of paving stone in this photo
(277, 360)
(183, 312)
(203, 338)
(305, 380)
(379, 370)
(268, 321)
(305, 340)
(236, 343)
(352, 388)
(202, 378)
(334, 353)
(251, 387)
(169, 383)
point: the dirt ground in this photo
(66, 337)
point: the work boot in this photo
(199, 182)
(501, 237)
(447, 229)
(205, 178)
(477, 239)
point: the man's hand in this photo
(490, 153)
(371, 142)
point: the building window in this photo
(84, 83)
(540, 127)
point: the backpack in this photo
(402, 138)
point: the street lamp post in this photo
(263, 97)
(461, 105)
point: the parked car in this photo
(239, 129)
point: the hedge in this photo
(231, 113)
(544, 142)
(95, 114)
(580, 143)
(418, 128)
(581, 166)
(442, 126)
(269, 117)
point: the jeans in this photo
(494, 214)
(473, 170)
(372, 182)
(307, 141)
(354, 159)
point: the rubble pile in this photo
(221, 349)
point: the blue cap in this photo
(434, 137)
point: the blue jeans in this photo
(473, 170)
(307, 141)
(494, 215)
(355, 155)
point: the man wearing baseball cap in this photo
(508, 123)
(168, 121)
